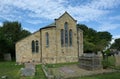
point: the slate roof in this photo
(49, 26)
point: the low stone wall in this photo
(90, 63)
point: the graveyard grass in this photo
(12, 71)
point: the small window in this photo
(33, 46)
(47, 39)
(62, 37)
(70, 37)
(37, 46)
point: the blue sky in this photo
(101, 15)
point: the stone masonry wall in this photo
(24, 51)
(49, 52)
(69, 53)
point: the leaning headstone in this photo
(117, 58)
(29, 65)
(7, 57)
(29, 70)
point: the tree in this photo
(23, 34)
(105, 35)
(116, 44)
(103, 40)
(3, 42)
(10, 33)
(94, 41)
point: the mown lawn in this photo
(12, 71)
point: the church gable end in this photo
(65, 18)
(66, 14)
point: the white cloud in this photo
(108, 26)
(116, 36)
(86, 13)
(34, 21)
(104, 4)
(30, 29)
(117, 17)
(94, 10)
(112, 41)
(51, 9)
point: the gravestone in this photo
(99, 53)
(117, 58)
(4, 77)
(29, 65)
(7, 57)
(29, 70)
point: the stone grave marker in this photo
(117, 58)
(29, 70)
(7, 57)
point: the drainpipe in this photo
(41, 45)
(78, 42)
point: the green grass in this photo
(13, 72)
(10, 69)
(111, 60)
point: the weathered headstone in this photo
(29, 70)
(117, 58)
(99, 53)
(29, 65)
(4, 77)
(7, 57)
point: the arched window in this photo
(47, 39)
(70, 37)
(66, 33)
(62, 37)
(37, 46)
(33, 46)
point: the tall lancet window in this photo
(47, 39)
(62, 37)
(66, 33)
(33, 46)
(70, 37)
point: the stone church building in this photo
(58, 42)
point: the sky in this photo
(101, 15)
